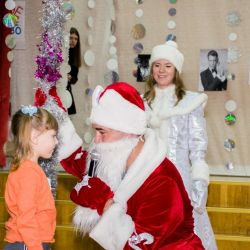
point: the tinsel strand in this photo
(48, 71)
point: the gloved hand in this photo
(69, 140)
(199, 195)
(91, 192)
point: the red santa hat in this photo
(119, 107)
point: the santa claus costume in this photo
(151, 209)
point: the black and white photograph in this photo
(213, 70)
(142, 67)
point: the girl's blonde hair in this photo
(149, 95)
(21, 126)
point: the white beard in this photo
(113, 160)
(111, 169)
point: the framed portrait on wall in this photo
(142, 67)
(213, 70)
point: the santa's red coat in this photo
(150, 199)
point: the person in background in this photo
(28, 197)
(213, 78)
(177, 116)
(135, 199)
(75, 64)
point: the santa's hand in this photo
(92, 192)
(199, 195)
(69, 140)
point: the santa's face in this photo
(104, 134)
(114, 148)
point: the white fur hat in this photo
(119, 107)
(170, 52)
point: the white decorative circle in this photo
(9, 72)
(10, 41)
(87, 137)
(65, 67)
(10, 5)
(139, 13)
(112, 39)
(10, 56)
(112, 64)
(63, 81)
(90, 39)
(89, 57)
(91, 4)
(112, 50)
(229, 77)
(230, 105)
(65, 97)
(171, 24)
(232, 36)
(90, 22)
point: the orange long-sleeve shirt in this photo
(31, 207)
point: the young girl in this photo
(28, 197)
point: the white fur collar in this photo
(152, 154)
(169, 91)
(163, 105)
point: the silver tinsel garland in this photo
(48, 71)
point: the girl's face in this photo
(73, 39)
(163, 73)
(43, 143)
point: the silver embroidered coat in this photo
(183, 129)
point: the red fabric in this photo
(162, 208)
(128, 92)
(5, 84)
(94, 195)
(40, 97)
(76, 167)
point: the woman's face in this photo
(163, 73)
(73, 39)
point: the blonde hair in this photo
(149, 95)
(21, 127)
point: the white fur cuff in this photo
(85, 219)
(200, 171)
(114, 228)
(69, 140)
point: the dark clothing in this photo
(74, 73)
(210, 83)
(21, 246)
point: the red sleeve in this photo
(75, 164)
(158, 208)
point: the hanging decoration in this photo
(48, 73)
(233, 18)
(229, 145)
(230, 119)
(10, 20)
(10, 5)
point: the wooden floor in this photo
(228, 208)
